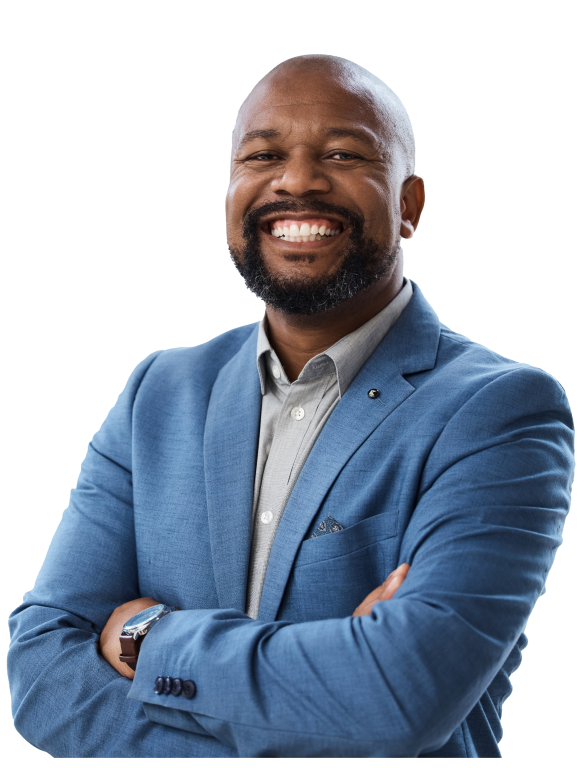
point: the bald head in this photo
(331, 74)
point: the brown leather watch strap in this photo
(130, 647)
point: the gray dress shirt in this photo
(292, 417)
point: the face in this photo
(316, 197)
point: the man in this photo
(267, 482)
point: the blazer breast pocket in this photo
(348, 540)
(333, 573)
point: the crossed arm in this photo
(396, 679)
(109, 643)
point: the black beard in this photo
(362, 264)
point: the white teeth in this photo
(303, 233)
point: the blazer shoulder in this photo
(200, 365)
(461, 358)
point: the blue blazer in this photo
(462, 468)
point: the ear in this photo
(412, 202)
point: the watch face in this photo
(143, 618)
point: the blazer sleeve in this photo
(493, 497)
(66, 698)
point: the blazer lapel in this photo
(410, 346)
(230, 447)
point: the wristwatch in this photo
(135, 630)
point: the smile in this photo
(304, 230)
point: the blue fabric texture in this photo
(461, 468)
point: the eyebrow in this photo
(267, 133)
(333, 133)
(353, 133)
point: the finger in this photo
(391, 588)
(401, 571)
(394, 582)
(372, 598)
(385, 591)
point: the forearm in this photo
(397, 683)
(369, 686)
(69, 702)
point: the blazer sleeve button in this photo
(158, 685)
(167, 685)
(189, 689)
(177, 686)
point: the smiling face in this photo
(318, 169)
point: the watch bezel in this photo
(131, 627)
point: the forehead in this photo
(305, 100)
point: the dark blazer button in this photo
(158, 685)
(168, 684)
(189, 689)
(177, 686)
(374, 393)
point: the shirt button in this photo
(266, 517)
(298, 413)
(276, 371)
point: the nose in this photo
(301, 176)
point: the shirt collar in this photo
(348, 354)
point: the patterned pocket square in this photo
(329, 525)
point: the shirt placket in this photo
(297, 412)
(295, 418)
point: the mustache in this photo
(291, 205)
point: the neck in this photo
(298, 338)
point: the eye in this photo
(264, 156)
(344, 156)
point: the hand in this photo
(385, 591)
(109, 644)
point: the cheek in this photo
(233, 214)
(245, 185)
(231, 200)
(240, 196)
(379, 208)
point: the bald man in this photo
(319, 535)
